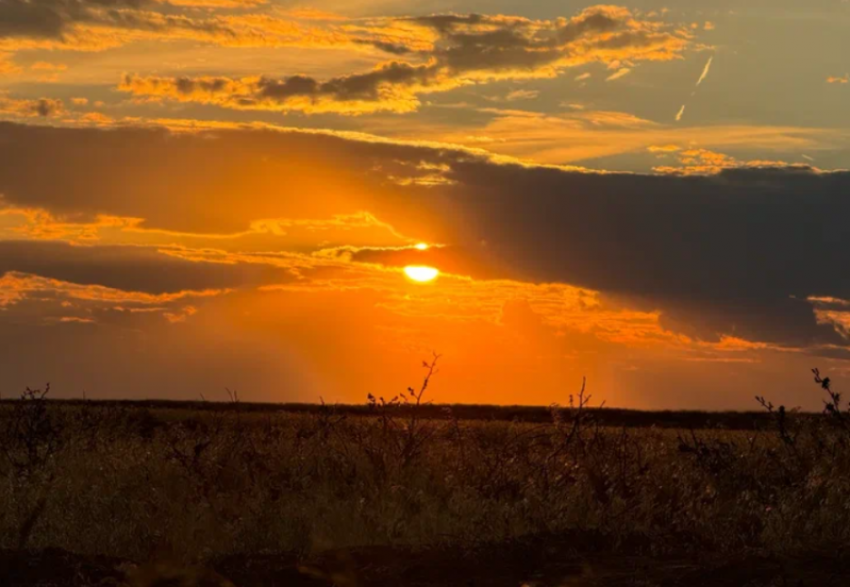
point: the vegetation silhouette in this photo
(401, 491)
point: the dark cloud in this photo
(469, 49)
(51, 18)
(477, 42)
(94, 25)
(392, 86)
(48, 107)
(43, 107)
(214, 182)
(835, 353)
(733, 253)
(720, 254)
(354, 87)
(61, 24)
(460, 260)
(135, 269)
(394, 48)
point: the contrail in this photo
(701, 79)
(705, 71)
(620, 73)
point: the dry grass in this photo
(135, 483)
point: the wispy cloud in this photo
(522, 95)
(703, 75)
(622, 72)
(570, 138)
(664, 148)
(28, 285)
(705, 71)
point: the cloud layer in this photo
(464, 50)
(737, 253)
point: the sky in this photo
(207, 194)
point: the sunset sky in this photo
(200, 194)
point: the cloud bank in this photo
(464, 50)
(738, 252)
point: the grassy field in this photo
(400, 493)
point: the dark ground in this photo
(536, 563)
(607, 416)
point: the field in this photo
(402, 493)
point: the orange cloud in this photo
(45, 66)
(62, 302)
(7, 67)
(17, 286)
(358, 229)
(182, 315)
(92, 26)
(512, 244)
(664, 148)
(216, 3)
(312, 14)
(76, 320)
(838, 80)
(833, 312)
(522, 95)
(457, 298)
(465, 50)
(828, 300)
(706, 162)
(572, 137)
(392, 87)
(840, 321)
(44, 107)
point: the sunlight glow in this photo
(421, 273)
(423, 246)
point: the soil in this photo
(533, 564)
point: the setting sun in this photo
(421, 273)
(423, 246)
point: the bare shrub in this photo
(33, 433)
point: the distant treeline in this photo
(689, 419)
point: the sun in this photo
(423, 246)
(421, 273)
